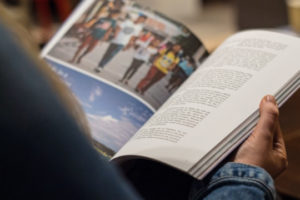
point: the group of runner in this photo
(164, 57)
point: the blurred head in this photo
(176, 48)
(118, 4)
(155, 42)
(63, 92)
(114, 14)
(141, 19)
(110, 5)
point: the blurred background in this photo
(212, 21)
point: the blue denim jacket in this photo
(235, 181)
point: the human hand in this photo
(265, 146)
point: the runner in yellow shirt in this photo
(165, 62)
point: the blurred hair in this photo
(191, 60)
(143, 16)
(22, 36)
(112, 12)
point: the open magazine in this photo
(150, 90)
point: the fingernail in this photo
(271, 99)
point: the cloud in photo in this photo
(97, 92)
(114, 116)
(110, 131)
(134, 113)
(109, 118)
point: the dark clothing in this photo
(44, 155)
(135, 65)
(111, 52)
(101, 27)
(178, 75)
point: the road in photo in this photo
(114, 70)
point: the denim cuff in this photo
(235, 174)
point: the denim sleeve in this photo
(235, 181)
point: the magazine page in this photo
(194, 127)
(130, 47)
(122, 51)
(113, 115)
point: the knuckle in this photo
(284, 163)
(273, 111)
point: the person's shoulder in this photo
(152, 49)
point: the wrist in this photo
(233, 174)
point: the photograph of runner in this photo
(126, 33)
(131, 47)
(100, 30)
(166, 61)
(183, 70)
(143, 53)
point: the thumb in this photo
(265, 129)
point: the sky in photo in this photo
(114, 116)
